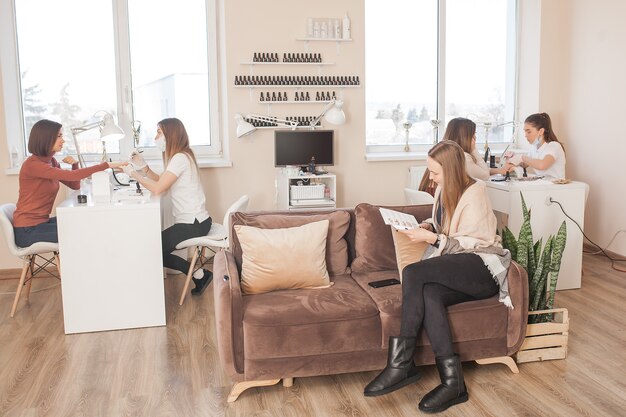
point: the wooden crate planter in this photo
(546, 341)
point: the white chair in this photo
(28, 255)
(416, 197)
(218, 237)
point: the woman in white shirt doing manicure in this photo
(547, 155)
(181, 178)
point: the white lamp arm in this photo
(317, 119)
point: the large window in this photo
(140, 60)
(428, 61)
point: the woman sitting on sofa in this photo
(465, 261)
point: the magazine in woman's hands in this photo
(398, 220)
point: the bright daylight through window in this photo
(409, 84)
(70, 67)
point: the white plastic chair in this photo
(28, 255)
(218, 237)
(416, 197)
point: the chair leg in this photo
(189, 275)
(58, 259)
(29, 282)
(21, 283)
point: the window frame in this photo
(390, 152)
(207, 155)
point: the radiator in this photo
(415, 176)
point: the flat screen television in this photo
(296, 147)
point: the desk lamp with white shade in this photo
(109, 131)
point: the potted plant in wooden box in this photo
(546, 334)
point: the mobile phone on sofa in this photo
(383, 283)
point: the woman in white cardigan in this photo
(465, 261)
(463, 132)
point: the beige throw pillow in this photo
(275, 259)
(407, 251)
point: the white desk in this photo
(545, 218)
(111, 264)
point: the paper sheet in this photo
(398, 220)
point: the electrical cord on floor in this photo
(33, 291)
(613, 260)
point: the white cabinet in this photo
(546, 217)
(111, 264)
(299, 192)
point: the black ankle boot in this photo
(452, 389)
(400, 370)
(202, 283)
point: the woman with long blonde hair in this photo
(182, 180)
(464, 261)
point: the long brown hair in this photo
(176, 139)
(451, 157)
(461, 131)
(426, 184)
(543, 121)
(43, 136)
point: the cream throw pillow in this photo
(276, 259)
(407, 251)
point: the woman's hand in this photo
(420, 235)
(69, 160)
(516, 159)
(128, 170)
(117, 165)
(137, 160)
(508, 167)
(427, 226)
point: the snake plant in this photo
(542, 266)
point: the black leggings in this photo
(429, 286)
(177, 233)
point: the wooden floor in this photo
(175, 370)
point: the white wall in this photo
(594, 106)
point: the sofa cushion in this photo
(336, 245)
(290, 258)
(373, 241)
(472, 320)
(295, 323)
(407, 251)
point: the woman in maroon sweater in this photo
(39, 184)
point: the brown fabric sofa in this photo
(263, 338)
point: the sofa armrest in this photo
(228, 313)
(518, 317)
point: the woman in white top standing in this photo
(463, 132)
(182, 179)
(547, 155)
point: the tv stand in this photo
(305, 192)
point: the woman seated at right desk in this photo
(463, 132)
(547, 155)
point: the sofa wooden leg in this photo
(287, 382)
(507, 360)
(240, 387)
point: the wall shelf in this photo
(324, 39)
(288, 63)
(295, 102)
(299, 127)
(328, 86)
